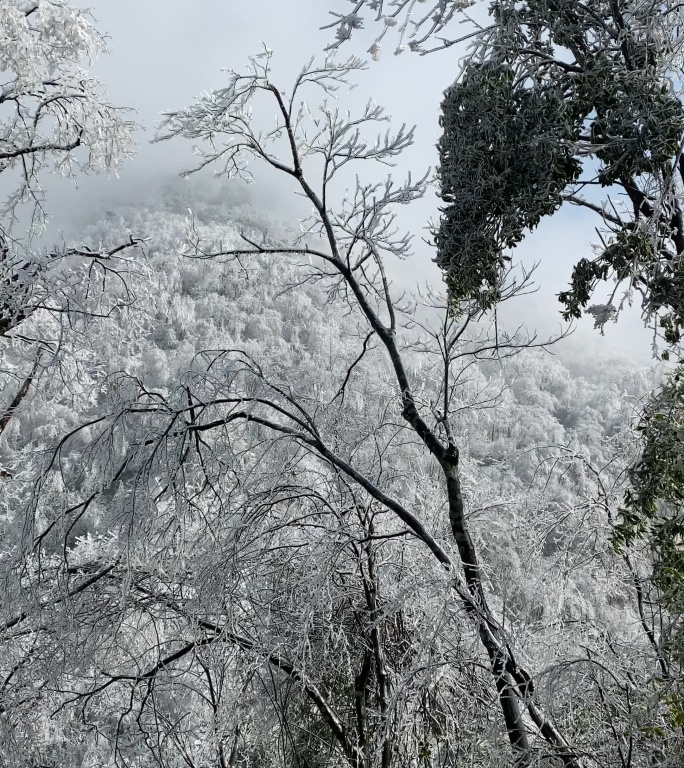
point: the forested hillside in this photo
(266, 505)
(237, 584)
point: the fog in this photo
(164, 52)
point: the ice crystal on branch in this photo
(414, 22)
(53, 115)
(602, 313)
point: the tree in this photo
(355, 240)
(589, 88)
(236, 549)
(555, 102)
(150, 529)
(54, 117)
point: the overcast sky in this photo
(164, 52)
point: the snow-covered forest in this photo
(262, 506)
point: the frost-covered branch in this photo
(357, 240)
(413, 21)
(54, 116)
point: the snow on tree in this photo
(164, 527)
(273, 514)
(563, 102)
(54, 116)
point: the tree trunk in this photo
(505, 685)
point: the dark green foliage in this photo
(505, 158)
(653, 512)
(654, 505)
(585, 275)
(639, 122)
(556, 83)
(658, 276)
(616, 261)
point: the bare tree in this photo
(356, 239)
(54, 118)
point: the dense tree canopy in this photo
(168, 540)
